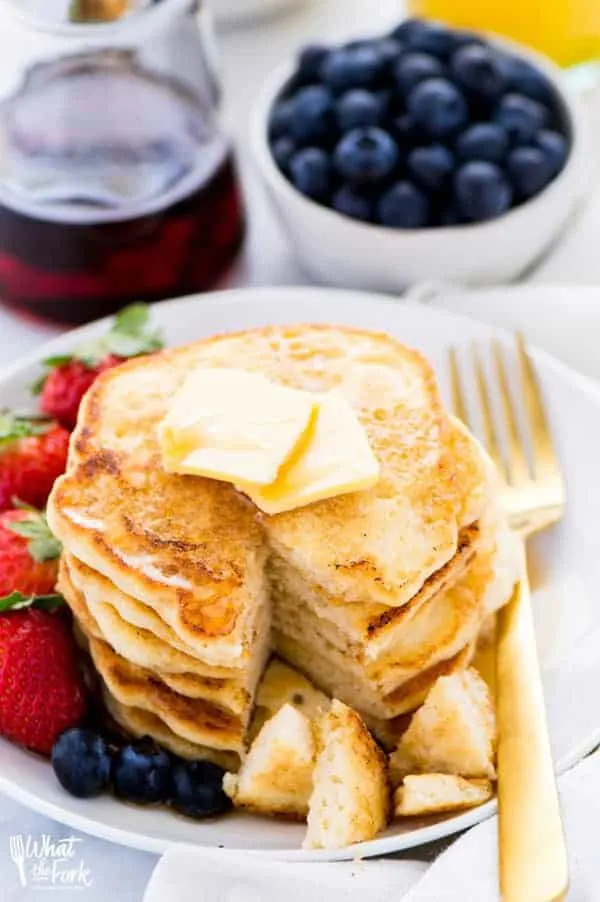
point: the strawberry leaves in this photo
(16, 601)
(41, 542)
(14, 426)
(129, 336)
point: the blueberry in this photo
(413, 68)
(350, 202)
(281, 118)
(310, 170)
(404, 206)
(430, 167)
(310, 61)
(197, 789)
(407, 132)
(477, 69)
(526, 79)
(356, 67)
(283, 150)
(483, 141)
(359, 108)
(81, 761)
(366, 155)
(141, 772)
(555, 148)
(529, 169)
(482, 191)
(389, 50)
(439, 107)
(407, 29)
(521, 116)
(313, 118)
(432, 37)
(449, 216)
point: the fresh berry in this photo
(281, 118)
(521, 116)
(197, 789)
(65, 386)
(352, 67)
(366, 155)
(407, 133)
(41, 688)
(434, 38)
(28, 557)
(310, 170)
(389, 50)
(314, 118)
(283, 150)
(359, 108)
(350, 202)
(310, 61)
(554, 147)
(407, 30)
(413, 68)
(68, 377)
(438, 107)
(529, 170)
(483, 141)
(430, 167)
(478, 71)
(392, 124)
(81, 760)
(33, 454)
(482, 191)
(141, 772)
(404, 206)
(524, 78)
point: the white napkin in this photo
(466, 872)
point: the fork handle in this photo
(533, 858)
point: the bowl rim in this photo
(576, 160)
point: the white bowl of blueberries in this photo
(426, 154)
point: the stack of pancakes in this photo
(181, 586)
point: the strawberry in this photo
(28, 558)
(33, 453)
(68, 377)
(42, 691)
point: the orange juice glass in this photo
(566, 30)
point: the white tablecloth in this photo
(121, 875)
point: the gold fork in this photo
(533, 859)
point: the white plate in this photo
(568, 611)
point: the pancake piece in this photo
(276, 776)
(282, 685)
(350, 799)
(424, 794)
(454, 732)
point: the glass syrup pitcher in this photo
(116, 177)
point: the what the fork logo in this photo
(44, 862)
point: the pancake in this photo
(194, 720)
(140, 723)
(233, 695)
(190, 548)
(142, 645)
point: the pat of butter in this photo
(336, 459)
(235, 426)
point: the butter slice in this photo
(235, 426)
(335, 460)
